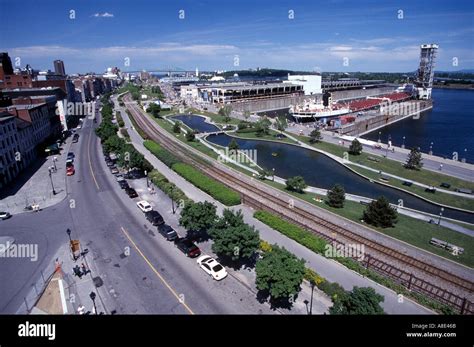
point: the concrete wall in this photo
(270, 103)
(360, 93)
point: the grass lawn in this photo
(442, 198)
(214, 116)
(410, 230)
(391, 166)
(270, 137)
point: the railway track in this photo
(384, 260)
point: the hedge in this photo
(215, 189)
(162, 154)
(168, 187)
(306, 238)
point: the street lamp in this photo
(172, 200)
(68, 231)
(403, 144)
(146, 175)
(431, 149)
(380, 133)
(273, 176)
(55, 159)
(465, 153)
(51, 178)
(312, 290)
(440, 215)
(92, 296)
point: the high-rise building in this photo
(425, 74)
(59, 68)
(6, 67)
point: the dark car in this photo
(70, 156)
(168, 232)
(123, 184)
(154, 217)
(134, 174)
(131, 192)
(75, 138)
(186, 246)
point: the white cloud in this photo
(103, 15)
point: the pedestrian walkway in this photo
(34, 187)
(330, 269)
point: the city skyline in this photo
(308, 36)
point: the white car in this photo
(144, 206)
(212, 267)
(5, 215)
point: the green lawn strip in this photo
(139, 130)
(408, 229)
(252, 135)
(217, 190)
(439, 197)
(391, 166)
(214, 116)
(318, 245)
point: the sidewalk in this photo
(33, 186)
(67, 293)
(327, 268)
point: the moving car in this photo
(186, 246)
(131, 192)
(212, 267)
(168, 232)
(70, 170)
(154, 217)
(5, 215)
(144, 206)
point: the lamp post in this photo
(68, 231)
(431, 149)
(403, 144)
(146, 175)
(440, 215)
(51, 178)
(380, 133)
(465, 153)
(92, 296)
(55, 159)
(273, 176)
(172, 200)
(311, 303)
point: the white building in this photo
(311, 83)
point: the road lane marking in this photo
(156, 272)
(90, 163)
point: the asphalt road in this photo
(155, 278)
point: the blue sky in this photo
(323, 35)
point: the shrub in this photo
(215, 189)
(168, 187)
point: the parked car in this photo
(5, 215)
(114, 170)
(119, 177)
(69, 164)
(212, 267)
(134, 174)
(186, 246)
(70, 170)
(75, 138)
(123, 184)
(168, 232)
(154, 217)
(70, 155)
(110, 163)
(131, 192)
(144, 206)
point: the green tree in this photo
(379, 213)
(280, 273)
(225, 112)
(315, 136)
(296, 184)
(154, 109)
(355, 148)
(198, 217)
(233, 145)
(414, 160)
(336, 196)
(233, 238)
(262, 127)
(360, 301)
(281, 123)
(190, 136)
(177, 127)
